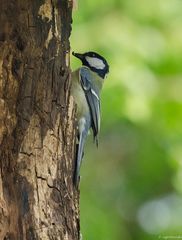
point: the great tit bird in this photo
(86, 84)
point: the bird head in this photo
(95, 62)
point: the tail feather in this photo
(79, 158)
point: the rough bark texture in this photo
(37, 198)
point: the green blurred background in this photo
(131, 185)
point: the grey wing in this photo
(93, 100)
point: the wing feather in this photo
(93, 100)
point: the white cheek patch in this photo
(95, 62)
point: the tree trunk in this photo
(37, 133)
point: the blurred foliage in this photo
(131, 186)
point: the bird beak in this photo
(78, 55)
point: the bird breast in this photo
(79, 97)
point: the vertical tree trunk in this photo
(37, 198)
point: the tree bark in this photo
(37, 132)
